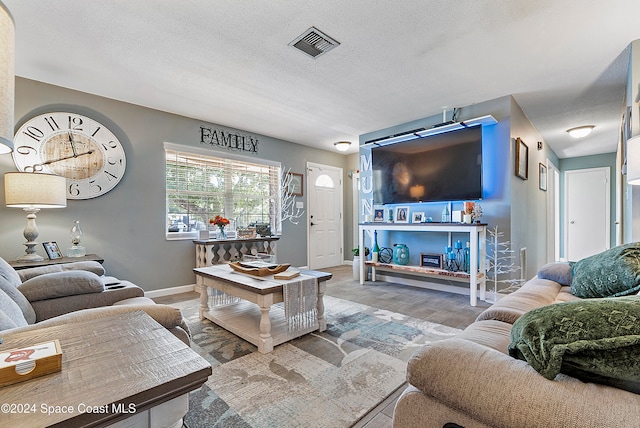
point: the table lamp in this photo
(32, 192)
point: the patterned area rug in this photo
(328, 379)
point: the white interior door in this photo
(324, 187)
(587, 208)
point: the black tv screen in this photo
(441, 167)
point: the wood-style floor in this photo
(444, 308)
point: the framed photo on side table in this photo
(401, 215)
(542, 176)
(431, 260)
(522, 159)
(417, 217)
(53, 252)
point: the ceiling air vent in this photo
(313, 42)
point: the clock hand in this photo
(73, 147)
(38, 166)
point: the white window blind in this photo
(200, 186)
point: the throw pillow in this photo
(557, 272)
(595, 340)
(61, 284)
(614, 272)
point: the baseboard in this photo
(169, 291)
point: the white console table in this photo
(477, 242)
(213, 251)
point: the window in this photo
(200, 186)
(325, 181)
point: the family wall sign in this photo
(228, 140)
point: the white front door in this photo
(587, 214)
(324, 216)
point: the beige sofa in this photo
(471, 381)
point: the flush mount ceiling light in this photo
(342, 146)
(580, 131)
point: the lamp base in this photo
(76, 251)
(30, 258)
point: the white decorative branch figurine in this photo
(288, 210)
(500, 261)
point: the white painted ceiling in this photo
(229, 62)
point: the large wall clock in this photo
(74, 146)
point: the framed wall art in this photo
(295, 184)
(522, 159)
(542, 177)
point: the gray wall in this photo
(127, 225)
(528, 202)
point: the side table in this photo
(48, 262)
(113, 368)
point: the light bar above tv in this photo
(438, 129)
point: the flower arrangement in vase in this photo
(221, 222)
(468, 211)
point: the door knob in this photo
(571, 222)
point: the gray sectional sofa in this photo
(472, 380)
(45, 296)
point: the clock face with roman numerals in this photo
(74, 146)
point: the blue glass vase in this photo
(400, 254)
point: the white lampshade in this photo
(633, 160)
(7, 79)
(32, 190)
(342, 146)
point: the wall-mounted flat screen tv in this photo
(441, 167)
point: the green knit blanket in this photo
(595, 340)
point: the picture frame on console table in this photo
(431, 260)
(522, 159)
(378, 216)
(401, 215)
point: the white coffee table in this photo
(252, 318)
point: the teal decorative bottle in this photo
(376, 249)
(467, 259)
(400, 254)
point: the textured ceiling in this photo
(228, 62)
